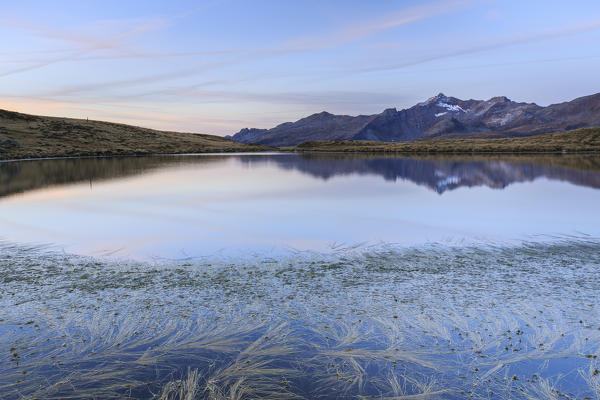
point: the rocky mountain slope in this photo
(439, 116)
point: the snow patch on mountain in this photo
(450, 107)
(442, 113)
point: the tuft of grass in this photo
(185, 389)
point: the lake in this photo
(284, 275)
(193, 206)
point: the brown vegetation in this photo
(576, 141)
(29, 136)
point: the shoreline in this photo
(126, 155)
(317, 150)
(407, 154)
(446, 153)
(61, 156)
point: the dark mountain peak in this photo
(316, 116)
(389, 111)
(432, 100)
(248, 135)
(500, 99)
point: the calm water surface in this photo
(191, 206)
(289, 276)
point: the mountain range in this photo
(440, 116)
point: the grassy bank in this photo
(577, 141)
(30, 136)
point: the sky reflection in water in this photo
(191, 206)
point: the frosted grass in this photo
(518, 322)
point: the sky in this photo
(218, 66)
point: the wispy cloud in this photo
(320, 99)
(362, 29)
(81, 44)
(567, 31)
(83, 39)
(511, 63)
(132, 82)
(86, 47)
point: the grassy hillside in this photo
(580, 140)
(29, 136)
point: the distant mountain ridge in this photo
(439, 116)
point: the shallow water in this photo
(501, 303)
(438, 321)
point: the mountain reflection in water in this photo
(443, 173)
(439, 174)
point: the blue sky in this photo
(218, 66)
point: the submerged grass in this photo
(387, 322)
